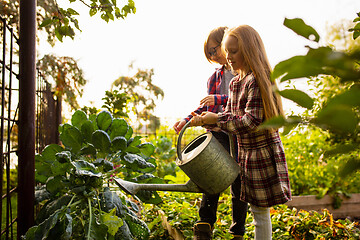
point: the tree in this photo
(66, 75)
(143, 95)
(340, 38)
(58, 22)
(116, 103)
(63, 72)
(338, 114)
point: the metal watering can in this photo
(204, 160)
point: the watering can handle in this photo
(231, 141)
(179, 140)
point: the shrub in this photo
(75, 190)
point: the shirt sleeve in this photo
(253, 116)
(198, 111)
(221, 99)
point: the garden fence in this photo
(167, 130)
(47, 118)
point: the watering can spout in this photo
(133, 188)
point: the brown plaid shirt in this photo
(263, 168)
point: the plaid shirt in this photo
(213, 88)
(263, 168)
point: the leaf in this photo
(46, 22)
(132, 149)
(88, 149)
(111, 200)
(135, 161)
(118, 143)
(129, 133)
(58, 35)
(124, 233)
(78, 118)
(67, 227)
(118, 128)
(341, 149)
(72, 11)
(298, 96)
(356, 34)
(275, 122)
(50, 166)
(63, 157)
(104, 120)
(71, 137)
(101, 141)
(105, 164)
(322, 60)
(350, 97)
(134, 142)
(51, 207)
(50, 151)
(42, 230)
(92, 11)
(97, 231)
(54, 185)
(351, 166)
(299, 27)
(42, 169)
(112, 221)
(85, 168)
(60, 169)
(137, 227)
(279, 121)
(41, 194)
(147, 149)
(150, 197)
(337, 118)
(87, 129)
(296, 67)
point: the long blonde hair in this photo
(255, 59)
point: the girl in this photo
(263, 169)
(218, 88)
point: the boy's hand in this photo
(208, 101)
(179, 125)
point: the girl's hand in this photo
(208, 101)
(206, 118)
(179, 125)
(196, 120)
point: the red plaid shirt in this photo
(263, 168)
(213, 88)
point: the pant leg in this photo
(262, 222)
(239, 209)
(208, 208)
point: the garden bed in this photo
(350, 207)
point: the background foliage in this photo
(337, 114)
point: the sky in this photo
(169, 36)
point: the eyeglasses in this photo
(212, 50)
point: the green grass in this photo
(13, 215)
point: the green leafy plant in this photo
(287, 223)
(310, 172)
(116, 103)
(76, 195)
(339, 115)
(165, 155)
